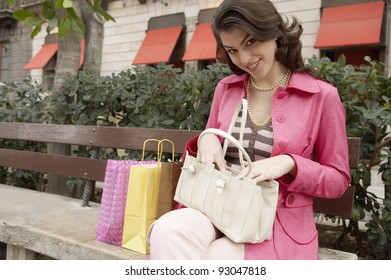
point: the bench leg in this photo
(19, 253)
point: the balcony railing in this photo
(30, 3)
(7, 8)
(14, 6)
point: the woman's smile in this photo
(253, 65)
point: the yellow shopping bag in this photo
(141, 202)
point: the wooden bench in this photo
(37, 225)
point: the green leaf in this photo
(383, 240)
(76, 22)
(33, 21)
(67, 4)
(372, 114)
(168, 122)
(107, 16)
(59, 4)
(64, 27)
(77, 25)
(361, 89)
(367, 58)
(387, 203)
(22, 14)
(356, 213)
(48, 9)
(96, 8)
(53, 23)
(35, 32)
(375, 218)
(342, 60)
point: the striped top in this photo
(257, 141)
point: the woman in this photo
(294, 118)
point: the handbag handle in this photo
(232, 139)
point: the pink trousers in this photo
(187, 234)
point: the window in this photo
(5, 61)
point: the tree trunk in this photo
(93, 38)
(68, 60)
(94, 33)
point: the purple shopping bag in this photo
(112, 208)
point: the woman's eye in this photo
(251, 41)
(231, 51)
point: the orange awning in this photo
(41, 59)
(83, 43)
(202, 45)
(158, 45)
(351, 25)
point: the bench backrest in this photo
(120, 138)
(93, 136)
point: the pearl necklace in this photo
(287, 76)
(258, 125)
(249, 112)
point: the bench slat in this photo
(54, 164)
(95, 136)
(137, 136)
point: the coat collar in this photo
(301, 81)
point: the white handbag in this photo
(239, 207)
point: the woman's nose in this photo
(245, 57)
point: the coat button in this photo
(283, 146)
(291, 199)
(281, 95)
(280, 119)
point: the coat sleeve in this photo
(329, 175)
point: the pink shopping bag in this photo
(112, 209)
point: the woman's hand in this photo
(210, 150)
(271, 168)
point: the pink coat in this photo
(308, 118)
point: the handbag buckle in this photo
(190, 168)
(220, 184)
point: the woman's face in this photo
(255, 57)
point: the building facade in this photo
(178, 32)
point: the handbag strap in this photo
(231, 139)
(242, 104)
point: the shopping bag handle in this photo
(232, 139)
(172, 149)
(159, 148)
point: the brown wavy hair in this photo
(260, 19)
